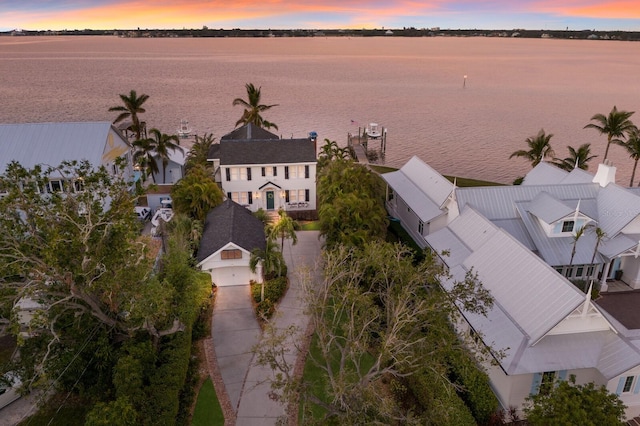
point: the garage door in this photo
(231, 276)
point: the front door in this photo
(270, 203)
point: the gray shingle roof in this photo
(230, 223)
(249, 132)
(268, 151)
(31, 144)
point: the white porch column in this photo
(605, 273)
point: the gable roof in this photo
(249, 132)
(549, 209)
(230, 223)
(50, 144)
(270, 151)
(421, 187)
(544, 174)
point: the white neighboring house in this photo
(175, 167)
(230, 234)
(520, 240)
(49, 144)
(257, 169)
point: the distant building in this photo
(50, 144)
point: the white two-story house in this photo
(539, 248)
(259, 170)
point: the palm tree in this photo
(163, 143)
(285, 227)
(615, 125)
(632, 145)
(132, 106)
(253, 108)
(576, 236)
(578, 158)
(199, 152)
(271, 260)
(539, 148)
(143, 156)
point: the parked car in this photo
(9, 385)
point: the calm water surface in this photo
(412, 86)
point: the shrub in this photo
(265, 309)
(474, 384)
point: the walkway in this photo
(235, 332)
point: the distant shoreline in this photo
(393, 32)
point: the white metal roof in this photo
(548, 208)
(423, 206)
(498, 202)
(616, 208)
(544, 174)
(431, 183)
(577, 176)
(50, 144)
(557, 250)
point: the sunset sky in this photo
(318, 14)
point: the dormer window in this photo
(567, 226)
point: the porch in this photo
(616, 286)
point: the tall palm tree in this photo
(163, 144)
(143, 156)
(615, 126)
(577, 158)
(130, 108)
(284, 227)
(632, 145)
(539, 148)
(253, 108)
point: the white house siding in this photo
(631, 398)
(239, 186)
(115, 147)
(408, 219)
(631, 271)
(172, 174)
(230, 272)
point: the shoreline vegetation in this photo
(583, 34)
(460, 181)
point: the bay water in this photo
(414, 87)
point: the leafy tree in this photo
(571, 404)
(615, 126)
(577, 158)
(271, 260)
(371, 312)
(78, 254)
(196, 194)
(199, 152)
(132, 105)
(632, 145)
(539, 148)
(114, 413)
(253, 108)
(331, 151)
(284, 227)
(351, 207)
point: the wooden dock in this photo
(366, 147)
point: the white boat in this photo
(184, 131)
(373, 130)
(162, 213)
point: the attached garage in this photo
(229, 276)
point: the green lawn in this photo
(208, 411)
(310, 226)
